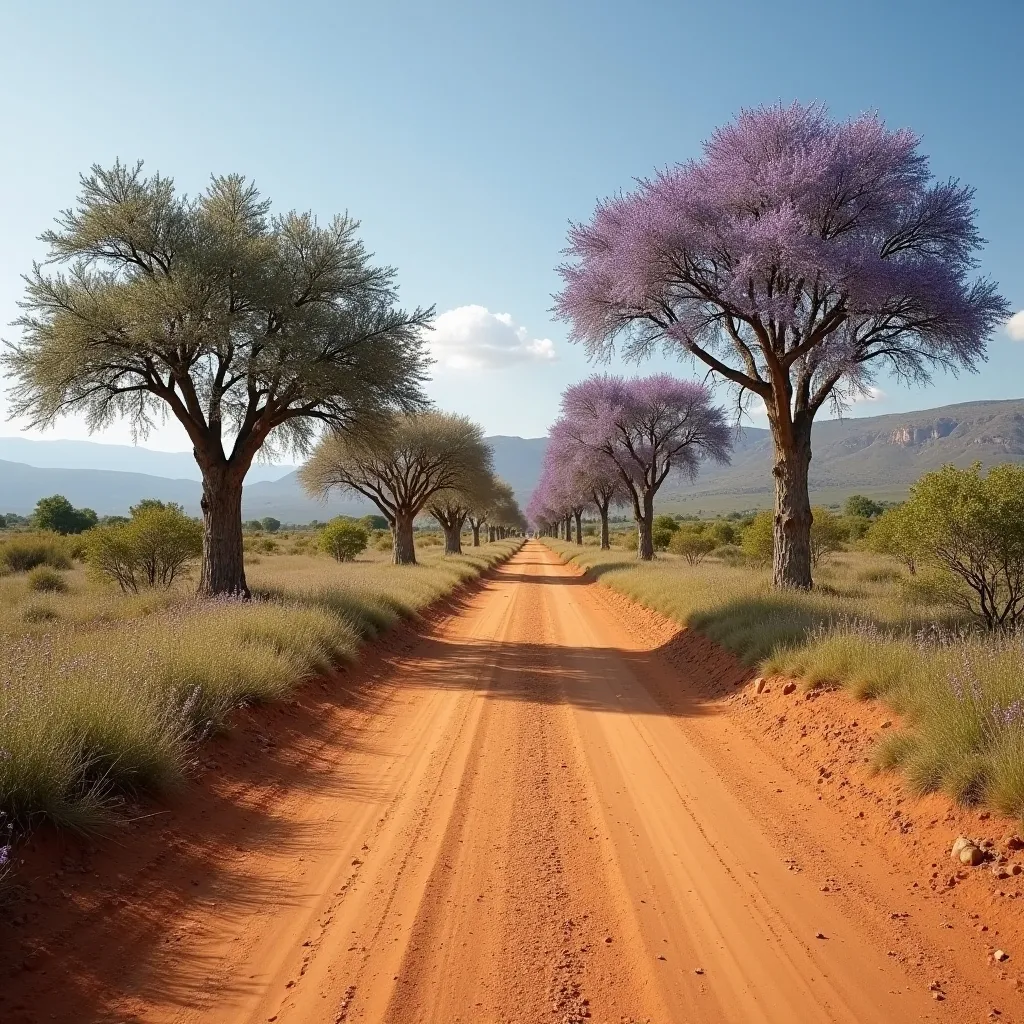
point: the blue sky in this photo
(466, 135)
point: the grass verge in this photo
(959, 691)
(103, 694)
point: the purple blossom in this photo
(628, 436)
(795, 259)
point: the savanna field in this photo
(868, 626)
(105, 693)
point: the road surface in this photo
(525, 834)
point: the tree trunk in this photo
(223, 568)
(645, 530)
(452, 538)
(605, 539)
(403, 548)
(791, 559)
(475, 527)
(579, 527)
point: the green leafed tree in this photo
(56, 513)
(968, 530)
(270, 524)
(399, 465)
(857, 505)
(254, 332)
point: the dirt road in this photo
(520, 831)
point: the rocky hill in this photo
(876, 455)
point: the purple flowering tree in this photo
(795, 260)
(589, 474)
(648, 428)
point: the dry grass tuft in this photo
(104, 693)
(960, 691)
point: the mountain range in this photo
(879, 456)
(110, 478)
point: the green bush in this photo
(45, 579)
(666, 523)
(693, 546)
(21, 553)
(152, 549)
(343, 539)
(827, 534)
(859, 507)
(758, 538)
(270, 524)
(661, 539)
(968, 531)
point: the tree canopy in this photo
(58, 514)
(795, 260)
(647, 428)
(252, 330)
(400, 465)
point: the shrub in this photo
(19, 554)
(153, 548)
(343, 539)
(827, 534)
(969, 529)
(56, 513)
(661, 539)
(892, 534)
(666, 523)
(43, 578)
(758, 538)
(693, 546)
(723, 532)
(859, 507)
(39, 613)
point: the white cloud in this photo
(1015, 326)
(474, 338)
(872, 394)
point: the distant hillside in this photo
(120, 458)
(875, 455)
(85, 481)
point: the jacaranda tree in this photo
(649, 428)
(588, 473)
(795, 260)
(253, 332)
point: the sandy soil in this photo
(546, 805)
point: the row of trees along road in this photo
(415, 462)
(794, 261)
(616, 442)
(254, 331)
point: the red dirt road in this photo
(535, 819)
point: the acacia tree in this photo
(253, 332)
(795, 260)
(399, 465)
(488, 504)
(453, 505)
(648, 428)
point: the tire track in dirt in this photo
(522, 830)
